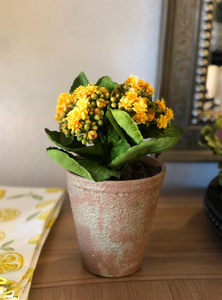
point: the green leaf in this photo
(7, 249)
(59, 137)
(8, 243)
(170, 131)
(107, 82)
(83, 167)
(112, 135)
(17, 196)
(36, 197)
(81, 79)
(32, 216)
(144, 148)
(127, 123)
(65, 141)
(121, 147)
(115, 125)
(94, 152)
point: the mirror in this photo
(190, 70)
(207, 99)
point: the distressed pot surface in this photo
(113, 220)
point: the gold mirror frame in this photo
(183, 61)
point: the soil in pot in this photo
(138, 170)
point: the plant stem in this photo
(103, 142)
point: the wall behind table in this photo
(181, 175)
(43, 46)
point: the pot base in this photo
(102, 273)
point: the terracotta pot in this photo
(113, 220)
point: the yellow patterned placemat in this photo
(26, 217)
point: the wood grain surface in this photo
(183, 259)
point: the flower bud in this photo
(88, 121)
(79, 138)
(92, 135)
(100, 123)
(102, 95)
(101, 103)
(84, 141)
(113, 105)
(87, 127)
(94, 96)
(96, 117)
(95, 127)
(93, 103)
(107, 95)
(97, 111)
(67, 133)
(85, 135)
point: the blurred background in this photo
(44, 45)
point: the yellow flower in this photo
(136, 83)
(92, 135)
(79, 112)
(132, 81)
(140, 118)
(161, 104)
(151, 114)
(140, 106)
(145, 85)
(128, 101)
(84, 91)
(103, 90)
(73, 119)
(169, 114)
(162, 122)
(64, 101)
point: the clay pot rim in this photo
(152, 178)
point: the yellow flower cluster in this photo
(135, 97)
(81, 112)
(63, 103)
(137, 84)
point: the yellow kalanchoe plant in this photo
(107, 123)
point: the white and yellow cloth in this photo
(26, 217)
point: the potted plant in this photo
(105, 132)
(211, 137)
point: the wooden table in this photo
(183, 259)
